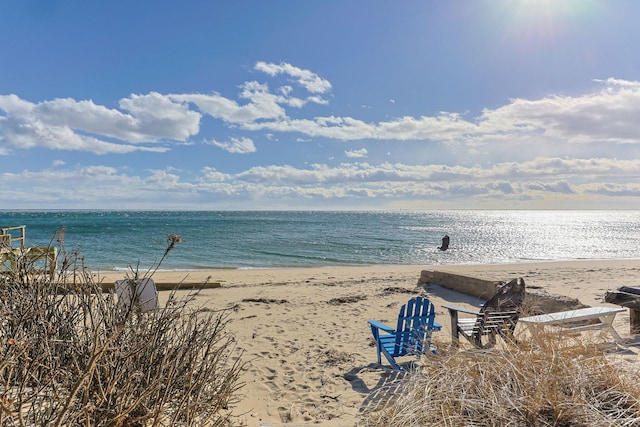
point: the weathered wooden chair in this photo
(627, 296)
(497, 317)
(412, 335)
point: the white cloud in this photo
(309, 80)
(338, 128)
(603, 116)
(151, 117)
(210, 174)
(163, 179)
(608, 115)
(159, 116)
(262, 104)
(236, 145)
(356, 153)
(543, 182)
(527, 151)
(28, 132)
(66, 124)
(12, 104)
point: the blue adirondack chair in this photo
(412, 335)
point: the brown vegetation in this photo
(71, 355)
(549, 383)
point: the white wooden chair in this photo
(141, 293)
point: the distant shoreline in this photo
(389, 266)
(251, 276)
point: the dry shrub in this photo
(71, 356)
(546, 384)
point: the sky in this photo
(307, 105)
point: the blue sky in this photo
(528, 104)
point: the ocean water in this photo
(114, 240)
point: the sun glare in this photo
(546, 21)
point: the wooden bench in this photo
(574, 320)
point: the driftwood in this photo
(468, 285)
(168, 286)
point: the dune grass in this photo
(70, 355)
(548, 381)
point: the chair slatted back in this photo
(415, 321)
(500, 313)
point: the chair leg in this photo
(492, 339)
(376, 338)
(455, 334)
(508, 336)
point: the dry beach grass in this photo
(550, 383)
(71, 355)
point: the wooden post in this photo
(455, 337)
(634, 320)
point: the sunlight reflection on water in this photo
(226, 239)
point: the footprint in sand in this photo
(271, 374)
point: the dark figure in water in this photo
(445, 243)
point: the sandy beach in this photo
(305, 337)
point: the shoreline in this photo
(426, 266)
(304, 335)
(241, 277)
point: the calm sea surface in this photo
(113, 240)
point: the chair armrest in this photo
(379, 325)
(460, 309)
(436, 326)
